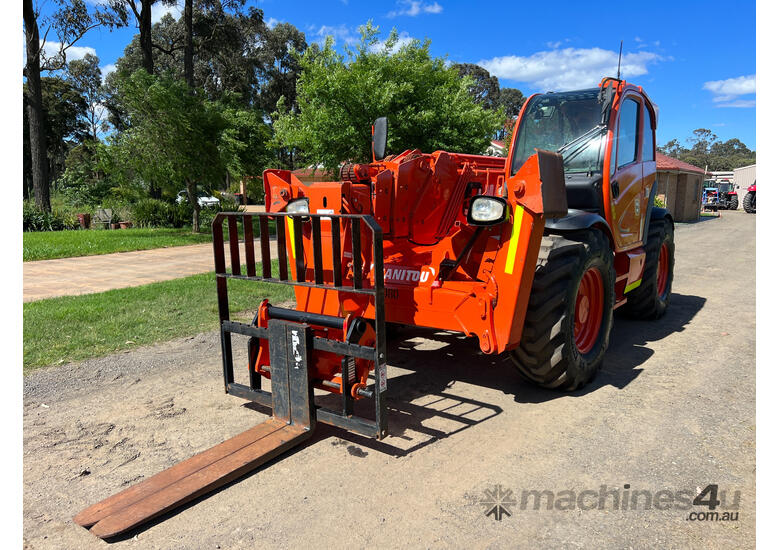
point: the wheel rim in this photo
(588, 310)
(663, 270)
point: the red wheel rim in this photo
(663, 269)
(588, 310)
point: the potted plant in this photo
(84, 220)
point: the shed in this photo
(744, 177)
(679, 186)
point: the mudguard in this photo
(576, 220)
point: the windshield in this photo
(567, 122)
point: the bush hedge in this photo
(34, 219)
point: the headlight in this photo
(486, 210)
(298, 206)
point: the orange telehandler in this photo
(530, 255)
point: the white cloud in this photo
(728, 91)
(272, 22)
(105, 70)
(414, 8)
(159, 10)
(341, 33)
(403, 39)
(741, 103)
(569, 68)
(52, 49)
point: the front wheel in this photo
(733, 203)
(569, 316)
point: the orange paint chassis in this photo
(406, 217)
(419, 201)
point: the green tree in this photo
(70, 21)
(141, 11)
(672, 149)
(64, 111)
(428, 105)
(173, 137)
(225, 45)
(510, 100)
(178, 138)
(85, 77)
(483, 87)
(279, 66)
(707, 151)
(244, 141)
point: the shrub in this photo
(255, 191)
(152, 213)
(34, 219)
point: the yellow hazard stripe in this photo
(291, 231)
(517, 223)
(633, 285)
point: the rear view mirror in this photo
(380, 138)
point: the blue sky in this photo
(696, 59)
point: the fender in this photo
(658, 213)
(576, 220)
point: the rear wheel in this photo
(651, 298)
(569, 315)
(749, 203)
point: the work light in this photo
(298, 206)
(486, 210)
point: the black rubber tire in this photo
(749, 203)
(734, 203)
(644, 302)
(547, 355)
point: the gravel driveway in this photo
(672, 412)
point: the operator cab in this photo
(571, 124)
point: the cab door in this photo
(648, 164)
(627, 177)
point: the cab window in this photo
(648, 149)
(628, 135)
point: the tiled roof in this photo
(662, 162)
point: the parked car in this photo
(204, 199)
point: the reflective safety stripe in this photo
(517, 223)
(633, 285)
(291, 231)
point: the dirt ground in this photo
(673, 409)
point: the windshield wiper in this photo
(586, 136)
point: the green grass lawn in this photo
(73, 328)
(45, 245)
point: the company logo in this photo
(408, 275)
(712, 503)
(497, 502)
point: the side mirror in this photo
(379, 143)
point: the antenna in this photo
(620, 57)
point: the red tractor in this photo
(529, 255)
(749, 202)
